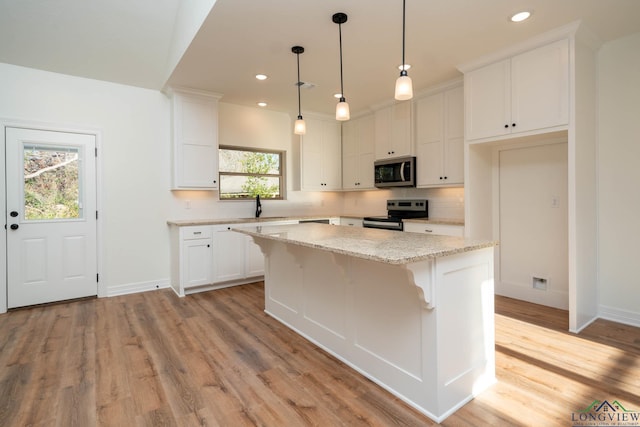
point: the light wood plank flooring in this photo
(215, 359)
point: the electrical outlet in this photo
(555, 203)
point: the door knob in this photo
(14, 214)
(14, 226)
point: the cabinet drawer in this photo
(439, 229)
(198, 232)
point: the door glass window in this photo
(51, 183)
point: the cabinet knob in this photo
(513, 124)
(445, 177)
(214, 181)
(208, 246)
(228, 228)
(440, 177)
(506, 126)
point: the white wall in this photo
(619, 179)
(134, 126)
(533, 224)
(134, 156)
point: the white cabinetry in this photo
(195, 140)
(321, 154)
(191, 257)
(229, 254)
(393, 131)
(358, 153)
(213, 256)
(439, 229)
(352, 222)
(525, 93)
(440, 139)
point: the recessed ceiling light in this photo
(404, 67)
(262, 76)
(262, 104)
(520, 16)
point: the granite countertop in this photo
(218, 221)
(386, 246)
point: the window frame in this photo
(281, 176)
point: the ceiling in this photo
(131, 42)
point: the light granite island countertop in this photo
(412, 312)
(386, 246)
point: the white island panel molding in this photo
(412, 312)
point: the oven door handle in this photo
(383, 225)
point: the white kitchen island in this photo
(412, 312)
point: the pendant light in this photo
(404, 86)
(299, 128)
(342, 109)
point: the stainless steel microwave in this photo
(399, 172)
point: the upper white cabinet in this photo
(393, 131)
(440, 139)
(321, 155)
(358, 153)
(195, 140)
(524, 93)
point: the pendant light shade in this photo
(404, 86)
(342, 109)
(299, 128)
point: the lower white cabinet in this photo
(229, 254)
(352, 222)
(213, 256)
(439, 229)
(197, 257)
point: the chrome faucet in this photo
(258, 206)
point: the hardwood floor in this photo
(215, 359)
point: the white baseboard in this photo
(627, 317)
(132, 288)
(549, 298)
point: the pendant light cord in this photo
(298, 84)
(404, 71)
(341, 83)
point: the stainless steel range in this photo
(397, 210)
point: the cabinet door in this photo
(321, 156)
(488, 101)
(366, 144)
(393, 131)
(429, 139)
(197, 261)
(382, 119)
(358, 153)
(195, 139)
(350, 154)
(229, 256)
(540, 87)
(254, 261)
(332, 156)
(311, 155)
(401, 129)
(453, 150)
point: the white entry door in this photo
(51, 216)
